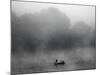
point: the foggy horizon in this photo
(81, 13)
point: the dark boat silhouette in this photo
(59, 63)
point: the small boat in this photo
(62, 63)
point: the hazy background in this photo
(75, 13)
(42, 33)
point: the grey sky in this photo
(74, 12)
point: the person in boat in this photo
(62, 62)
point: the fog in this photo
(76, 13)
(42, 33)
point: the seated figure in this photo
(62, 62)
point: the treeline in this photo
(50, 28)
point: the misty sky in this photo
(74, 12)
